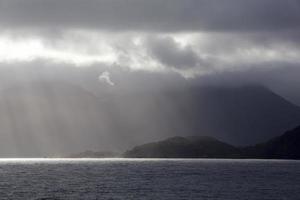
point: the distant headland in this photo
(286, 146)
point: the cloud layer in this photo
(193, 38)
(153, 15)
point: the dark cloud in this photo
(152, 15)
(170, 53)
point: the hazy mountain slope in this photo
(48, 118)
(242, 116)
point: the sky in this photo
(197, 39)
(146, 44)
(257, 40)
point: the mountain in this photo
(46, 118)
(180, 147)
(237, 115)
(94, 154)
(286, 146)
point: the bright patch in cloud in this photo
(28, 49)
(105, 78)
(189, 54)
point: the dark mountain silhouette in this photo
(180, 147)
(286, 146)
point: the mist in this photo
(108, 75)
(59, 110)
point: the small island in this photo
(94, 154)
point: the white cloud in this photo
(72, 51)
(189, 54)
(105, 78)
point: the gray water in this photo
(149, 179)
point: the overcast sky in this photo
(235, 41)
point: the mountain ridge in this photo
(286, 146)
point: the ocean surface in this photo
(153, 179)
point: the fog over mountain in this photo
(107, 75)
(43, 117)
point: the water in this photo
(115, 179)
